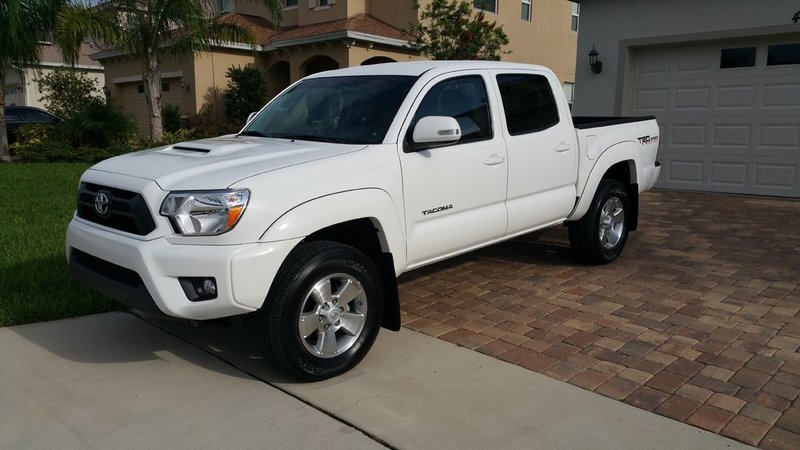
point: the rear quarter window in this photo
(528, 103)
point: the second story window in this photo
(576, 12)
(290, 3)
(486, 5)
(319, 3)
(525, 13)
(225, 6)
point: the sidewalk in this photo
(113, 380)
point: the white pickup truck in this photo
(343, 182)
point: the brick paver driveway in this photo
(697, 320)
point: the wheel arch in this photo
(620, 162)
(340, 218)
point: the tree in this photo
(247, 92)
(149, 31)
(24, 24)
(448, 30)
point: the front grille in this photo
(127, 210)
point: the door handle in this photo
(494, 160)
(562, 147)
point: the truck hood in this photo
(219, 162)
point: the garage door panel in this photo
(772, 176)
(691, 98)
(781, 95)
(735, 98)
(724, 130)
(783, 137)
(687, 135)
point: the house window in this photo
(781, 55)
(576, 12)
(165, 86)
(140, 89)
(225, 6)
(731, 58)
(319, 3)
(290, 3)
(486, 5)
(525, 13)
(569, 92)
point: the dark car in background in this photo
(16, 116)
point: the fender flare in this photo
(321, 212)
(621, 152)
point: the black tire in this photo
(279, 322)
(589, 239)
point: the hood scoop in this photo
(188, 148)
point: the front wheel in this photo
(323, 311)
(599, 237)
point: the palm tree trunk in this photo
(5, 155)
(152, 86)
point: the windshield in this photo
(349, 110)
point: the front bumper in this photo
(144, 274)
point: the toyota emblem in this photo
(101, 204)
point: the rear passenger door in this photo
(455, 194)
(542, 150)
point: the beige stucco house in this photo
(22, 88)
(318, 35)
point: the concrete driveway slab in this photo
(115, 381)
(413, 391)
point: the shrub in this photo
(171, 117)
(67, 92)
(181, 135)
(247, 92)
(98, 124)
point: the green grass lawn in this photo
(37, 202)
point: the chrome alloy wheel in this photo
(333, 315)
(612, 223)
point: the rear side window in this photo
(528, 103)
(464, 99)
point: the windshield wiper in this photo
(311, 137)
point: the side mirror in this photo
(436, 130)
(251, 116)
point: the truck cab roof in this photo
(417, 68)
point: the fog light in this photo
(198, 289)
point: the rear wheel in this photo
(600, 236)
(323, 312)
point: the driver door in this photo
(455, 194)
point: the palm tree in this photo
(23, 27)
(149, 31)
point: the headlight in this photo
(205, 213)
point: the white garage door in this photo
(729, 113)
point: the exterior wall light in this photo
(594, 63)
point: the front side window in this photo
(576, 13)
(348, 110)
(486, 5)
(289, 3)
(528, 103)
(464, 99)
(225, 6)
(525, 12)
